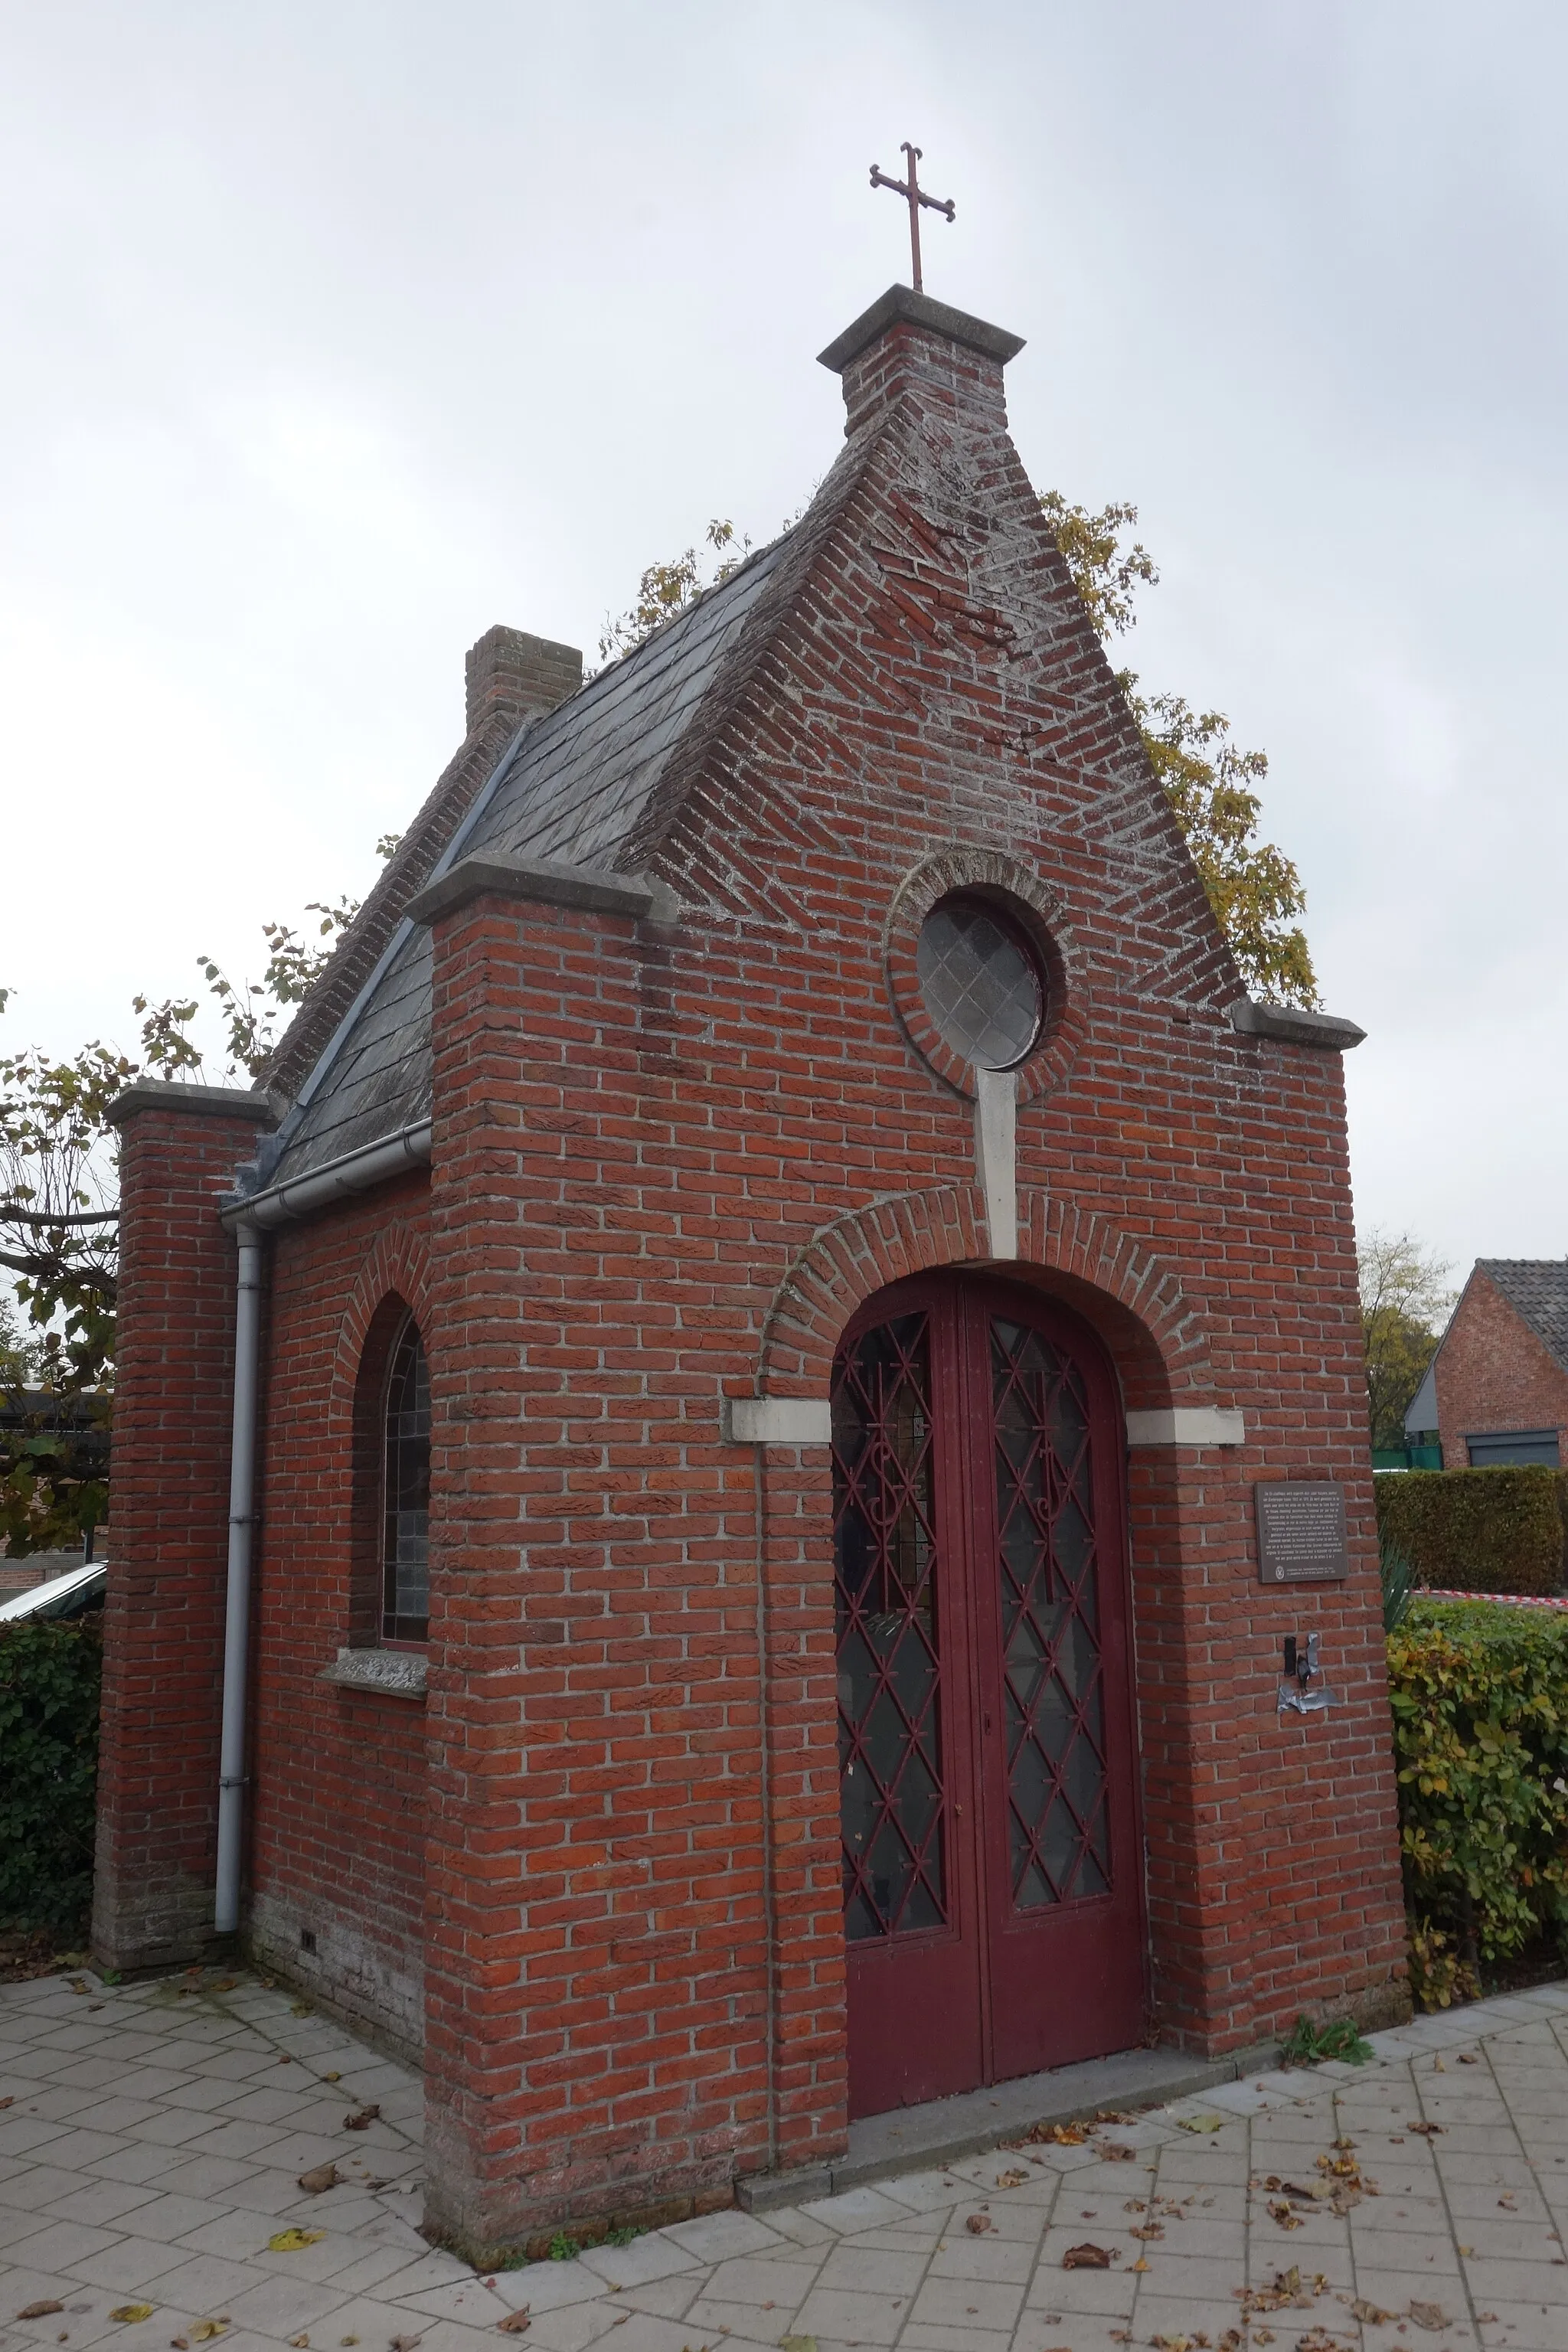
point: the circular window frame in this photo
(1032, 908)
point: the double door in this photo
(992, 1910)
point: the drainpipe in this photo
(237, 1633)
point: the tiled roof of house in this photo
(1537, 1290)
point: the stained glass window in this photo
(981, 984)
(405, 1487)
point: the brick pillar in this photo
(163, 1624)
(541, 1912)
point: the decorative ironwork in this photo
(889, 1674)
(406, 1492)
(980, 984)
(1048, 1564)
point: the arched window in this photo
(406, 1491)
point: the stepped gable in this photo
(405, 875)
(1537, 1290)
(573, 788)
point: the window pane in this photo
(406, 1581)
(980, 985)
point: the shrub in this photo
(1481, 1530)
(1479, 1694)
(48, 1770)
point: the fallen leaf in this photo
(797, 2344)
(514, 2324)
(1263, 2335)
(1438, 2067)
(38, 2310)
(347, 2340)
(1140, 2264)
(1117, 2151)
(1487, 2318)
(362, 2119)
(1148, 2230)
(1369, 2314)
(179, 2344)
(300, 2342)
(1429, 2314)
(333, 2077)
(978, 2225)
(10, 2102)
(1468, 2058)
(290, 2241)
(319, 2178)
(299, 2008)
(1467, 2250)
(205, 2329)
(1200, 2123)
(1284, 2214)
(1013, 2178)
(1172, 2343)
(1088, 2257)
(1505, 2201)
(1427, 2131)
(402, 2343)
(131, 2311)
(1062, 2134)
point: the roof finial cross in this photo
(915, 196)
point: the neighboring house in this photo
(1497, 1389)
(785, 1242)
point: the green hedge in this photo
(1476, 1531)
(1480, 1693)
(49, 1676)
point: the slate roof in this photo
(575, 785)
(1537, 1290)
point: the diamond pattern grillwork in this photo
(885, 1565)
(1059, 1833)
(980, 985)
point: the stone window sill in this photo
(394, 1674)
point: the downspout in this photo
(236, 1631)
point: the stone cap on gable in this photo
(550, 882)
(182, 1094)
(1295, 1025)
(903, 305)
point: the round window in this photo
(980, 981)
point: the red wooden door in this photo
(991, 1887)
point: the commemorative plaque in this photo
(1300, 1532)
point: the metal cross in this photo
(915, 196)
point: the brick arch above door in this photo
(1157, 1333)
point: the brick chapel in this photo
(685, 1469)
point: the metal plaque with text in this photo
(1301, 1531)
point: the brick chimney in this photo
(908, 344)
(525, 677)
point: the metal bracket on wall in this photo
(1301, 1670)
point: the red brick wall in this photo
(164, 1618)
(1493, 1375)
(338, 1819)
(654, 1153)
(668, 1165)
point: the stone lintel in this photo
(1188, 1424)
(778, 1421)
(1295, 1025)
(548, 882)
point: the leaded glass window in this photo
(981, 982)
(406, 1491)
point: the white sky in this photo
(334, 332)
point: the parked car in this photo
(73, 1594)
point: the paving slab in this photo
(156, 2133)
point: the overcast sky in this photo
(335, 332)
